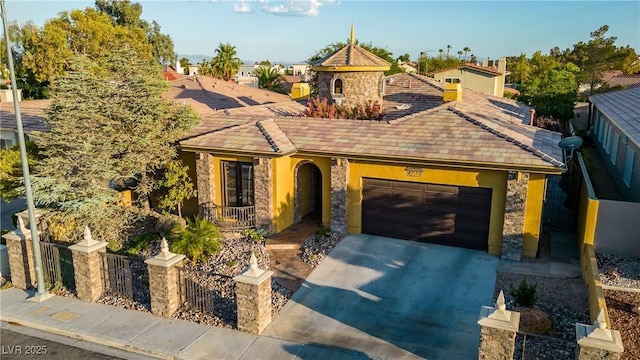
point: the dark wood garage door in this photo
(442, 214)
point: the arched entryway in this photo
(308, 190)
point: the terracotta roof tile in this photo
(471, 66)
(351, 55)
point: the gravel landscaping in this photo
(623, 319)
(619, 271)
(316, 248)
(563, 300)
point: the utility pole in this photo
(42, 294)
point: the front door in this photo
(238, 183)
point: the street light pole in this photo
(42, 294)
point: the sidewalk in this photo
(146, 334)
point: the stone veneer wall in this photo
(358, 87)
(163, 287)
(20, 254)
(205, 178)
(514, 214)
(254, 306)
(588, 353)
(263, 192)
(496, 344)
(339, 185)
(86, 269)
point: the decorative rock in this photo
(534, 321)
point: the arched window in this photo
(337, 86)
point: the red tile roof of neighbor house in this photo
(480, 129)
(623, 108)
(170, 74)
(624, 80)
(31, 113)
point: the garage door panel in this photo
(443, 214)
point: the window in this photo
(337, 86)
(601, 129)
(452, 80)
(596, 123)
(238, 184)
(614, 147)
(628, 166)
(6, 144)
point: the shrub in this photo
(524, 294)
(140, 243)
(321, 108)
(323, 232)
(257, 235)
(198, 240)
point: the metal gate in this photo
(559, 209)
(57, 265)
(209, 293)
(125, 276)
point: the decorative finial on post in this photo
(164, 246)
(253, 262)
(353, 35)
(500, 304)
(87, 234)
(601, 320)
(21, 229)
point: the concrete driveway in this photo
(382, 298)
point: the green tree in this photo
(519, 69)
(11, 179)
(199, 239)
(109, 127)
(553, 93)
(404, 57)
(466, 50)
(177, 186)
(127, 14)
(269, 78)
(184, 62)
(226, 62)
(594, 57)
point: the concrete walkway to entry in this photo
(384, 298)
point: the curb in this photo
(89, 338)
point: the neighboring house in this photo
(626, 81)
(246, 70)
(409, 67)
(467, 173)
(171, 74)
(300, 69)
(488, 79)
(615, 119)
(31, 111)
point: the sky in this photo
(292, 31)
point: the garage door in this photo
(442, 214)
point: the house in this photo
(467, 173)
(488, 78)
(31, 114)
(409, 67)
(615, 120)
(300, 69)
(626, 81)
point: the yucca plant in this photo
(198, 240)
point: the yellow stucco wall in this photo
(533, 214)
(496, 180)
(493, 85)
(587, 217)
(284, 189)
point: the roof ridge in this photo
(419, 113)
(218, 130)
(272, 138)
(434, 85)
(508, 137)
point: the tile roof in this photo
(351, 55)
(31, 113)
(624, 80)
(487, 69)
(623, 108)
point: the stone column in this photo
(163, 281)
(598, 342)
(20, 252)
(87, 267)
(263, 192)
(253, 293)
(339, 186)
(498, 328)
(205, 179)
(514, 213)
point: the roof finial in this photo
(353, 35)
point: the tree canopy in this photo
(378, 51)
(553, 93)
(109, 128)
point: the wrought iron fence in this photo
(558, 207)
(229, 217)
(529, 346)
(125, 276)
(209, 293)
(57, 264)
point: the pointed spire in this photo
(500, 304)
(21, 228)
(253, 262)
(87, 234)
(164, 246)
(353, 35)
(601, 320)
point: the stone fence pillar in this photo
(253, 293)
(20, 253)
(87, 267)
(163, 281)
(339, 188)
(498, 328)
(598, 342)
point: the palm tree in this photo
(459, 54)
(448, 48)
(440, 51)
(466, 51)
(226, 62)
(269, 78)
